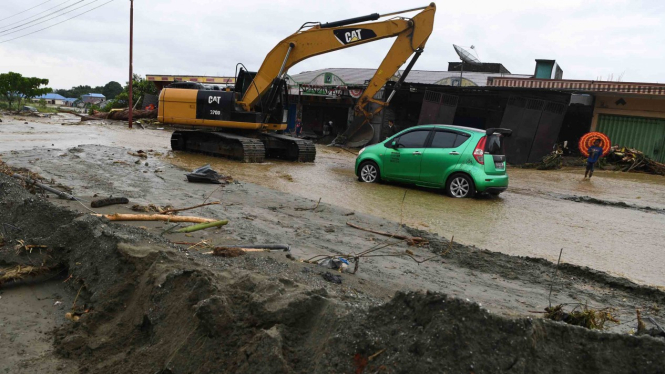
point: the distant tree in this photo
(9, 87)
(32, 87)
(15, 87)
(111, 90)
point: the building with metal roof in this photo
(93, 98)
(50, 98)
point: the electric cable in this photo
(46, 20)
(26, 10)
(48, 27)
(42, 12)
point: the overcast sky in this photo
(589, 39)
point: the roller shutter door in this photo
(642, 133)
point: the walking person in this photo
(595, 152)
(298, 127)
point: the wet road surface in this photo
(531, 219)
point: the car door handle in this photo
(454, 153)
(417, 153)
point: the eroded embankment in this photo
(152, 309)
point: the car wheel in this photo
(460, 186)
(369, 172)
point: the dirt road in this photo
(534, 218)
(143, 311)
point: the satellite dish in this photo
(466, 56)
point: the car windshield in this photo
(494, 145)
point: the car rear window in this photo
(413, 139)
(494, 144)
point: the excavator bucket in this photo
(358, 134)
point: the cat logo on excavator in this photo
(348, 36)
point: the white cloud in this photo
(588, 39)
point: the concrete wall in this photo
(653, 107)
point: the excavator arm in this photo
(411, 33)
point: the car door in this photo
(404, 154)
(442, 156)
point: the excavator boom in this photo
(412, 34)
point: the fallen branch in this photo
(202, 226)
(154, 217)
(194, 207)
(411, 240)
(109, 201)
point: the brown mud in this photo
(156, 308)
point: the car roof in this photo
(454, 127)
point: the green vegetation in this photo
(15, 88)
(141, 88)
(110, 90)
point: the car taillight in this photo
(479, 152)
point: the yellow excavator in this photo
(246, 122)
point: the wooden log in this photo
(154, 217)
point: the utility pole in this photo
(131, 60)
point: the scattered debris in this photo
(20, 272)
(205, 174)
(151, 208)
(589, 318)
(332, 278)
(139, 153)
(171, 211)
(630, 159)
(411, 240)
(45, 187)
(202, 226)
(109, 201)
(340, 264)
(154, 217)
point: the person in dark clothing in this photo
(595, 152)
(391, 130)
(298, 127)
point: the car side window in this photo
(413, 139)
(461, 139)
(443, 139)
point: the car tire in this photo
(368, 172)
(460, 186)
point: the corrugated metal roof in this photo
(356, 76)
(51, 96)
(95, 95)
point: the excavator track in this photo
(288, 148)
(219, 144)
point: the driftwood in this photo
(193, 207)
(409, 239)
(154, 217)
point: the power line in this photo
(46, 20)
(48, 27)
(42, 12)
(26, 10)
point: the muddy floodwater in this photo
(533, 218)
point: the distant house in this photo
(70, 101)
(93, 98)
(51, 98)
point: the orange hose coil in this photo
(587, 140)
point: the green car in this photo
(462, 160)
